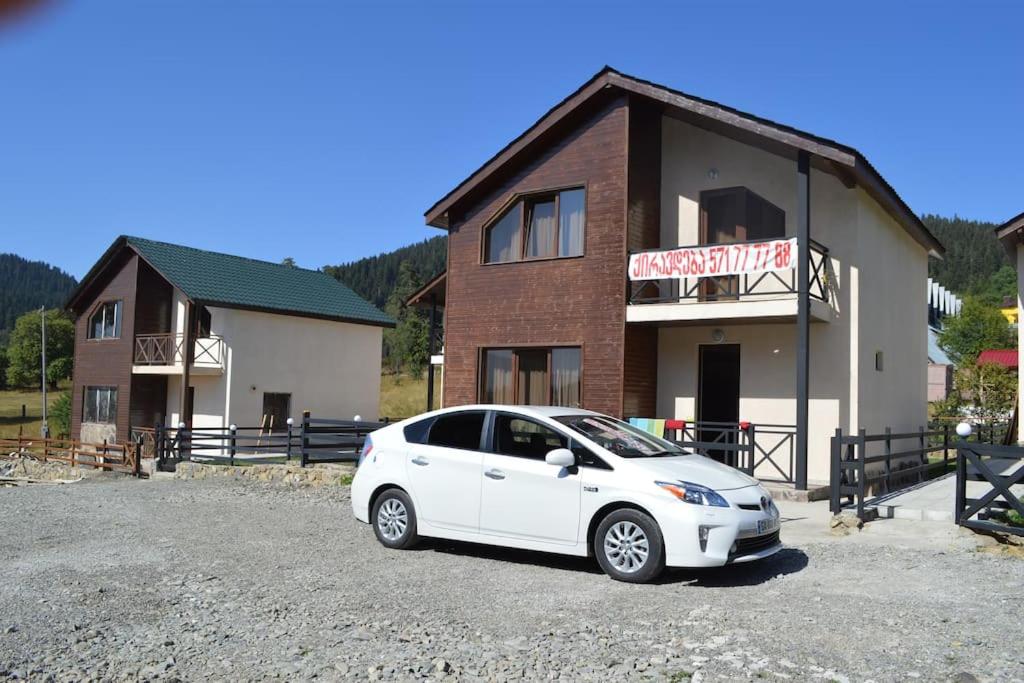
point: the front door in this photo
(445, 471)
(718, 399)
(522, 496)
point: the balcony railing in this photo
(707, 288)
(167, 349)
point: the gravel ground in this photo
(120, 579)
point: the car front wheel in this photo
(629, 546)
(394, 519)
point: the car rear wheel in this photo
(629, 546)
(394, 519)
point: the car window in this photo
(524, 438)
(457, 430)
(417, 431)
(624, 440)
(585, 457)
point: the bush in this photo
(58, 370)
(60, 415)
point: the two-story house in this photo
(166, 334)
(645, 253)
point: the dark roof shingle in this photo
(238, 282)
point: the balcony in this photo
(766, 292)
(163, 354)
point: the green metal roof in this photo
(238, 282)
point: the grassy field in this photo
(10, 410)
(405, 396)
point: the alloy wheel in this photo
(392, 519)
(626, 547)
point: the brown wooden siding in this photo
(153, 302)
(640, 372)
(643, 215)
(149, 400)
(576, 301)
(107, 362)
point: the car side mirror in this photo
(560, 457)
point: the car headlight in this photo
(693, 493)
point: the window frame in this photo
(111, 390)
(492, 442)
(101, 308)
(527, 200)
(515, 349)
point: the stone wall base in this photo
(293, 475)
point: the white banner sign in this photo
(716, 259)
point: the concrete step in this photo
(785, 491)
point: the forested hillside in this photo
(25, 285)
(374, 278)
(974, 257)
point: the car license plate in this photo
(765, 526)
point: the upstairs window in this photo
(105, 323)
(735, 214)
(544, 225)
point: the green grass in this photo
(11, 401)
(405, 396)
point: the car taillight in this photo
(367, 447)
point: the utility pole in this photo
(42, 320)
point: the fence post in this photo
(923, 473)
(945, 448)
(234, 443)
(158, 445)
(137, 455)
(288, 446)
(888, 457)
(861, 471)
(835, 482)
(961, 482)
(751, 451)
(304, 456)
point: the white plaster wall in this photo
(878, 275)
(767, 381)
(893, 271)
(330, 368)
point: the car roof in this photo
(534, 411)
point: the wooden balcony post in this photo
(187, 353)
(803, 331)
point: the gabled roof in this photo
(846, 162)
(1010, 234)
(1008, 358)
(431, 293)
(216, 279)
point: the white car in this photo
(560, 480)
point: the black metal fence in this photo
(865, 465)
(997, 508)
(764, 448)
(313, 441)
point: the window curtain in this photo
(533, 378)
(498, 385)
(541, 240)
(503, 238)
(565, 378)
(571, 215)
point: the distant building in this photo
(1005, 357)
(167, 334)
(941, 303)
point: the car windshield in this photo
(622, 439)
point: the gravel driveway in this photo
(118, 579)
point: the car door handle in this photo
(420, 460)
(494, 474)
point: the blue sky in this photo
(324, 130)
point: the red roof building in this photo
(1006, 357)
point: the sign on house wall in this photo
(716, 259)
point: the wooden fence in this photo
(113, 457)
